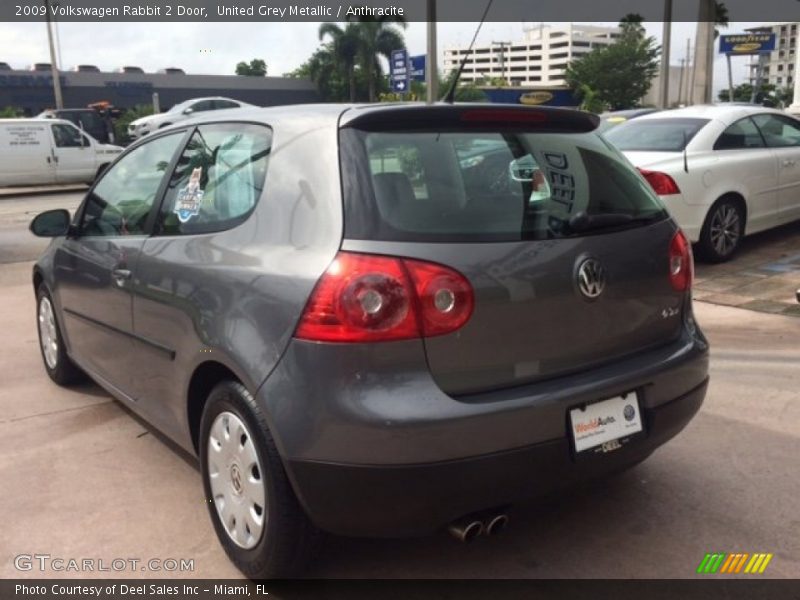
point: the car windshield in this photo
(484, 186)
(655, 135)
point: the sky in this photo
(215, 48)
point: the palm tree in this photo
(377, 37)
(346, 43)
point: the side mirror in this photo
(51, 223)
(188, 111)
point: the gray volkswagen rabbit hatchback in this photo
(379, 320)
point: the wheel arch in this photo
(204, 377)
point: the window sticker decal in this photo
(187, 204)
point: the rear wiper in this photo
(583, 221)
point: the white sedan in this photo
(181, 112)
(723, 171)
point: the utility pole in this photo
(503, 58)
(431, 62)
(666, 39)
(53, 63)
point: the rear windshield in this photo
(477, 186)
(655, 135)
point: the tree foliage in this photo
(130, 115)
(768, 94)
(11, 112)
(347, 67)
(255, 68)
(617, 75)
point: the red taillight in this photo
(370, 298)
(662, 184)
(681, 266)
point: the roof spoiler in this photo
(480, 117)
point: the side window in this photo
(122, 199)
(218, 179)
(67, 136)
(742, 134)
(218, 104)
(203, 105)
(779, 131)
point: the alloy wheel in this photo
(48, 334)
(725, 229)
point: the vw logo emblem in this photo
(591, 278)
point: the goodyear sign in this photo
(531, 97)
(747, 43)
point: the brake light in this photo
(489, 115)
(370, 298)
(662, 184)
(681, 265)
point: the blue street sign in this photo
(417, 65)
(747, 43)
(398, 71)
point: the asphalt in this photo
(83, 478)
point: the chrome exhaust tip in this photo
(496, 524)
(465, 531)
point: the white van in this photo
(50, 151)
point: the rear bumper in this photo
(373, 447)
(417, 499)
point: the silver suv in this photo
(377, 321)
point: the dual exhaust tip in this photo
(467, 529)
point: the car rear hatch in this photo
(565, 246)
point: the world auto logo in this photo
(594, 424)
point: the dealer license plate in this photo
(605, 423)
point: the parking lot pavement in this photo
(85, 479)
(764, 276)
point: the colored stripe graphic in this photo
(721, 562)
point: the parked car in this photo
(180, 112)
(97, 124)
(172, 71)
(130, 69)
(48, 151)
(617, 117)
(356, 331)
(4, 66)
(40, 67)
(86, 69)
(722, 171)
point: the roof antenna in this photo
(451, 93)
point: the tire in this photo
(233, 437)
(722, 231)
(57, 363)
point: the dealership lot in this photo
(91, 481)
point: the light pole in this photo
(703, 75)
(53, 63)
(666, 39)
(431, 62)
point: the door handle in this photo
(120, 276)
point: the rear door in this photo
(73, 154)
(498, 202)
(27, 157)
